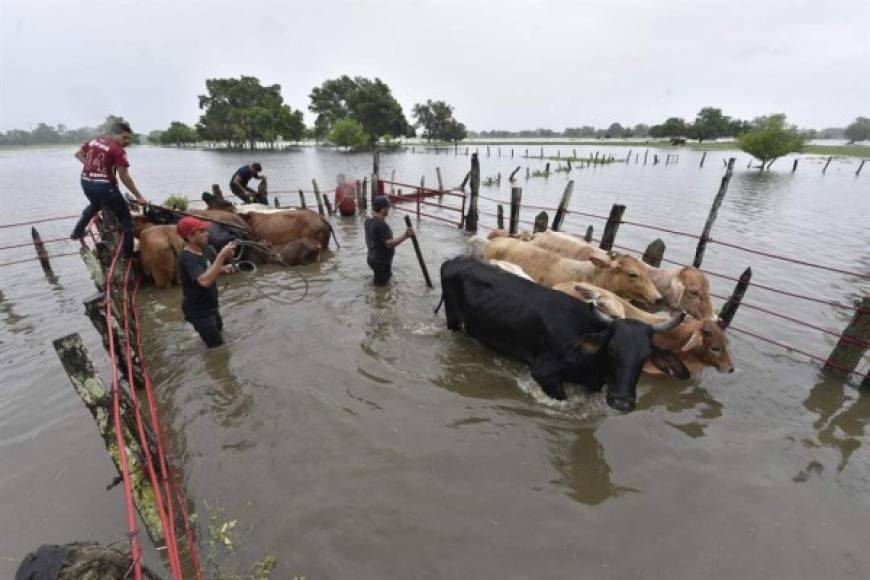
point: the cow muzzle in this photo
(621, 404)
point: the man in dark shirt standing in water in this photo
(240, 179)
(101, 158)
(199, 268)
(380, 241)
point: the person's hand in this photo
(230, 269)
(409, 232)
(227, 251)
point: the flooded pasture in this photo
(352, 435)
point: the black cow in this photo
(561, 337)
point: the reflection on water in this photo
(678, 396)
(230, 401)
(756, 194)
(583, 466)
(11, 318)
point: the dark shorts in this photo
(209, 327)
(383, 273)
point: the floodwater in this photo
(352, 436)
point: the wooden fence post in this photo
(376, 175)
(319, 203)
(216, 191)
(860, 167)
(516, 200)
(420, 193)
(513, 174)
(794, 166)
(541, 221)
(471, 216)
(40, 251)
(726, 315)
(275, 202)
(499, 216)
(302, 200)
(588, 235)
(654, 253)
(527, 173)
(714, 210)
(487, 150)
(645, 153)
(628, 157)
(328, 204)
(563, 206)
(612, 226)
(825, 168)
(363, 198)
(849, 349)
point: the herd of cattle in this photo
(565, 307)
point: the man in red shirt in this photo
(101, 158)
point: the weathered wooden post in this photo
(628, 157)
(499, 151)
(563, 206)
(487, 150)
(542, 152)
(527, 173)
(320, 199)
(860, 167)
(466, 151)
(376, 174)
(726, 315)
(612, 226)
(574, 151)
(654, 253)
(216, 191)
(513, 174)
(558, 153)
(363, 204)
(516, 200)
(40, 251)
(328, 204)
(420, 193)
(499, 216)
(419, 253)
(825, 168)
(853, 344)
(440, 184)
(275, 202)
(703, 157)
(588, 235)
(541, 221)
(714, 210)
(471, 216)
(302, 200)
(645, 153)
(595, 160)
(512, 152)
(655, 159)
(526, 156)
(794, 166)
(319, 203)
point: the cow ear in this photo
(599, 263)
(669, 363)
(695, 340)
(593, 342)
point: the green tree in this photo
(436, 119)
(615, 130)
(859, 130)
(709, 123)
(369, 102)
(641, 130)
(348, 132)
(179, 134)
(154, 137)
(771, 138)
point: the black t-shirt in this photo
(245, 175)
(197, 300)
(377, 233)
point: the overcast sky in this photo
(502, 63)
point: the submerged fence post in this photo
(302, 200)
(794, 166)
(825, 168)
(853, 344)
(516, 200)
(860, 167)
(513, 174)
(499, 216)
(611, 227)
(471, 216)
(40, 251)
(588, 235)
(563, 206)
(420, 193)
(541, 221)
(714, 210)
(703, 157)
(654, 253)
(726, 315)
(275, 202)
(376, 174)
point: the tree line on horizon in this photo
(357, 112)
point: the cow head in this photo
(628, 345)
(709, 345)
(689, 290)
(628, 277)
(603, 301)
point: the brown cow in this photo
(618, 274)
(159, 247)
(684, 288)
(698, 343)
(280, 227)
(298, 252)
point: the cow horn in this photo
(669, 324)
(603, 318)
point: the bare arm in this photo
(393, 242)
(80, 156)
(209, 277)
(238, 181)
(125, 178)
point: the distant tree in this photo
(737, 127)
(627, 133)
(709, 123)
(771, 138)
(179, 134)
(641, 130)
(615, 130)
(107, 127)
(289, 124)
(154, 137)
(858, 130)
(45, 134)
(348, 132)
(369, 102)
(437, 121)
(832, 133)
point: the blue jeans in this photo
(106, 194)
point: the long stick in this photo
(419, 254)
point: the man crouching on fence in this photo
(200, 268)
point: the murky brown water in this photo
(352, 435)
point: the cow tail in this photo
(440, 302)
(331, 231)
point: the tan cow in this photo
(523, 235)
(569, 246)
(684, 288)
(618, 274)
(159, 247)
(280, 227)
(698, 343)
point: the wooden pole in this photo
(612, 226)
(441, 183)
(420, 193)
(794, 166)
(419, 253)
(275, 202)
(825, 168)
(860, 167)
(563, 206)
(328, 204)
(487, 150)
(471, 216)
(588, 235)
(376, 175)
(527, 173)
(703, 157)
(319, 202)
(849, 350)
(499, 216)
(363, 204)
(542, 152)
(628, 157)
(541, 221)
(513, 174)
(40, 251)
(654, 253)
(726, 315)
(302, 200)
(714, 210)
(645, 153)
(516, 200)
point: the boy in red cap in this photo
(200, 268)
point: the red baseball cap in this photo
(188, 225)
